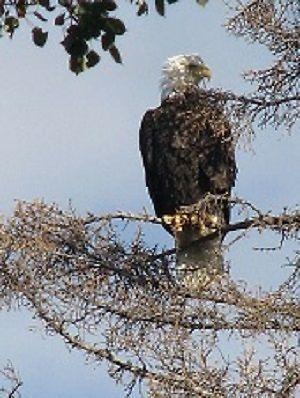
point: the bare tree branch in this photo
(9, 375)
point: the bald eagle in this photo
(188, 153)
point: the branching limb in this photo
(9, 375)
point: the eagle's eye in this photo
(193, 65)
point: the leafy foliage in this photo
(86, 25)
(39, 37)
(83, 22)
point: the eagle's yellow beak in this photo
(204, 71)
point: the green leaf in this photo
(107, 39)
(77, 64)
(60, 19)
(142, 9)
(202, 3)
(92, 59)
(73, 44)
(46, 4)
(40, 16)
(116, 25)
(10, 24)
(114, 52)
(64, 3)
(160, 7)
(20, 8)
(109, 5)
(39, 37)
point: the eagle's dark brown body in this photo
(187, 150)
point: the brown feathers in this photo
(187, 150)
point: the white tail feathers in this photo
(199, 263)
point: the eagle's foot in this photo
(201, 223)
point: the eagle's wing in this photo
(146, 142)
(187, 152)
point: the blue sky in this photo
(66, 137)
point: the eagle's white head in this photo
(182, 71)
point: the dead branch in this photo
(10, 376)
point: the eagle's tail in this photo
(200, 262)
(198, 236)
